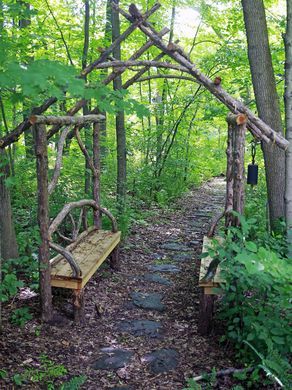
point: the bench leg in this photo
(78, 305)
(115, 259)
(205, 313)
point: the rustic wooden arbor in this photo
(74, 265)
(180, 63)
(209, 278)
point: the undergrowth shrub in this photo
(256, 305)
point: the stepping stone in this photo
(203, 214)
(113, 359)
(174, 246)
(147, 301)
(156, 278)
(180, 257)
(164, 268)
(162, 360)
(195, 243)
(141, 328)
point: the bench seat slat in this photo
(205, 262)
(90, 252)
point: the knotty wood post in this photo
(235, 167)
(96, 172)
(206, 308)
(78, 305)
(43, 220)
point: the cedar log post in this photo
(43, 221)
(78, 305)
(235, 167)
(206, 308)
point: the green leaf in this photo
(251, 246)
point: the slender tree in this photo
(288, 107)
(267, 101)
(120, 119)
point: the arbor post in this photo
(235, 180)
(43, 221)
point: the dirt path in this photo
(141, 323)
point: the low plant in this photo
(45, 373)
(256, 301)
(21, 316)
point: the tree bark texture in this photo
(206, 309)
(267, 101)
(43, 220)
(235, 179)
(96, 173)
(65, 120)
(8, 242)
(120, 118)
(288, 107)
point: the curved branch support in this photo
(68, 256)
(214, 224)
(81, 203)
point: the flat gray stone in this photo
(164, 268)
(162, 360)
(156, 278)
(195, 243)
(113, 359)
(141, 328)
(147, 301)
(181, 257)
(203, 214)
(174, 246)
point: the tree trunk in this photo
(43, 220)
(120, 119)
(288, 107)
(8, 238)
(267, 101)
(28, 136)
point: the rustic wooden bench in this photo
(73, 267)
(208, 289)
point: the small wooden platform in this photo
(211, 287)
(90, 250)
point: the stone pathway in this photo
(152, 294)
(140, 328)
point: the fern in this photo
(74, 383)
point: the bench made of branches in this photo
(74, 265)
(209, 283)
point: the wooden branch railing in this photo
(26, 124)
(121, 38)
(81, 203)
(76, 271)
(234, 105)
(65, 120)
(135, 56)
(60, 218)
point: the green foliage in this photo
(21, 316)
(9, 286)
(3, 374)
(46, 373)
(256, 302)
(74, 383)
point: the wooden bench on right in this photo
(208, 289)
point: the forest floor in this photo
(140, 329)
